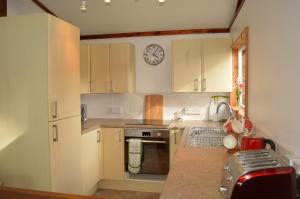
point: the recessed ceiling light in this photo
(83, 7)
(107, 2)
(161, 2)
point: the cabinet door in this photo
(91, 160)
(186, 66)
(122, 67)
(85, 72)
(217, 65)
(113, 153)
(100, 81)
(175, 139)
(65, 151)
(63, 70)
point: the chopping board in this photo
(154, 107)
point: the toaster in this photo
(258, 174)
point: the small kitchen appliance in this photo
(258, 174)
(251, 143)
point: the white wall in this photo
(153, 79)
(274, 68)
(149, 79)
(19, 7)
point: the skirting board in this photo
(132, 185)
(91, 191)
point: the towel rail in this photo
(152, 141)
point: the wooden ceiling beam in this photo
(43, 7)
(3, 8)
(156, 33)
(239, 6)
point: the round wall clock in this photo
(154, 54)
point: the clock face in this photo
(154, 54)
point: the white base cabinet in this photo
(113, 154)
(92, 160)
(175, 139)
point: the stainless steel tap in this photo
(229, 109)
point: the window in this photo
(239, 96)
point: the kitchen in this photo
(158, 89)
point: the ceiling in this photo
(143, 15)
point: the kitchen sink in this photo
(205, 137)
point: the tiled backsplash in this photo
(132, 105)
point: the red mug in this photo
(249, 143)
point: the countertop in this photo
(13, 193)
(196, 172)
(93, 123)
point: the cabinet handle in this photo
(55, 133)
(98, 136)
(203, 85)
(175, 137)
(196, 84)
(54, 110)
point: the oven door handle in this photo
(152, 141)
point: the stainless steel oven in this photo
(155, 157)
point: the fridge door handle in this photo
(98, 136)
(55, 133)
(54, 110)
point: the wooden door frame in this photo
(241, 42)
(3, 8)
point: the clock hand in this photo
(154, 54)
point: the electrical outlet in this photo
(192, 111)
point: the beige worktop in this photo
(196, 172)
(95, 123)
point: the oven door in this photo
(155, 158)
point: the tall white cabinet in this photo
(40, 125)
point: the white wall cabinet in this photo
(112, 68)
(186, 65)
(100, 78)
(175, 139)
(85, 69)
(113, 154)
(202, 65)
(92, 160)
(122, 67)
(217, 65)
(40, 103)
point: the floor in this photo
(118, 194)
